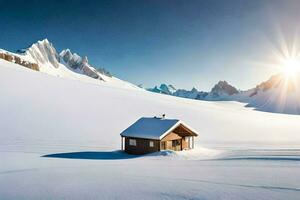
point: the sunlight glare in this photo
(291, 67)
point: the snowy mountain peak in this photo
(66, 52)
(44, 41)
(278, 94)
(223, 88)
(42, 56)
(167, 89)
(43, 53)
(277, 80)
(78, 63)
(194, 90)
(71, 60)
(46, 56)
(163, 89)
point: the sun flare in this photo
(291, 67)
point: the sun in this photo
(290, 67)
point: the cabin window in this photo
(132, 142)
(175, 143)
(151, 144)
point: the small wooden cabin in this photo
(149, 135)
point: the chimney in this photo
(163, 116)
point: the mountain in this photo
(191, 94)
(76, 62)
(279, 94)
(163, 89)
(221, 91)
(42, 56)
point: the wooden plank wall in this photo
(142, 146)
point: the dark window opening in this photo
(175, 143)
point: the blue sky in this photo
(184, 43)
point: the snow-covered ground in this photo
(59, 139)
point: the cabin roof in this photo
(153, 128)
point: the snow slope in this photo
(248, 155)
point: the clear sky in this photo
(182, 42)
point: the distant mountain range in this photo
(278, 94)
(221, 91)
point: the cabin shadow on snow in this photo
(93, 155)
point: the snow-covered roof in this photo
(151, 128)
